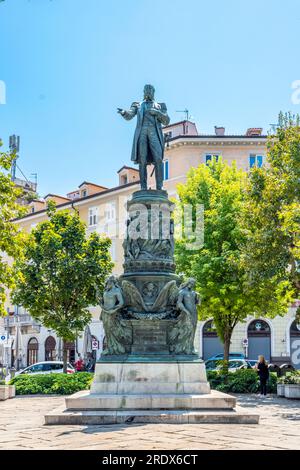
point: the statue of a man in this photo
(117, 331)
(148, 142)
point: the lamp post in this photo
(7, 354)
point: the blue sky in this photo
(68, 64)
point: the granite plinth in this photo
(140, 390)
(150, 377)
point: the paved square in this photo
(22, 418)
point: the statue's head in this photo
(190, 283)
(110, 282)
(150, 287)
(149, 91)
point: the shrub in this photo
(291, 378)
(2, 382)
(240, 381)
(63, 384)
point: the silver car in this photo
(47, 367)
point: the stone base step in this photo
(101, 417)
(88, 401)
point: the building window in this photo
(112, 249)
(32, 351)
(50, 349)
(110, 212)
(84, 193)
(211, 156)
(256, 160)
(124, 179)
(93, 216)
(166, 169)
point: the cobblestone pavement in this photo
(22, 418)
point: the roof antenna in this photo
(186, 112)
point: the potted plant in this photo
(292, 385)
(6, 390)
(280, 386)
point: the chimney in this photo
(219, 130)
(254, 131)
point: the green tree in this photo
(227, 293)
(62, 273)
(10, 237)
(273, 212)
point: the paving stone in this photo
(21, 427)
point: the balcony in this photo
(23, 319)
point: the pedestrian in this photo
(263, 372)
(79, 364)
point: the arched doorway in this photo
(259, 339)
(32, 351)
(70, 347)
(295, 344)
(212, 344)
(50, 349)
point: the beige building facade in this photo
(104, 211)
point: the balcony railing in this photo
(23, 319)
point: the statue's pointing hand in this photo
(121, 111)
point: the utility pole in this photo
(14, 147)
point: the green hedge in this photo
(63, 384)
(240, 381)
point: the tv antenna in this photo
(186, 112)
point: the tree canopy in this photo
(62, 273)
(220, 267)
(10, 236)
(273, 212)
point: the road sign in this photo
(95, 344)
(245, 342)
(3, 337)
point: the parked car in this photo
(220, 356)
(252, 362)
(233, 364)
(46, 367)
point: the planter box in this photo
(7, 391)
(11, 391)
(292, 391)
(280, 390)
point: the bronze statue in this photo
(117, 331)
(148, 142)
(182, 335)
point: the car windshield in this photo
(211, 364)
(235, 364)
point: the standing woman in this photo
(263, 372)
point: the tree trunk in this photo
(65, 357)
(227, 347)
(227, 341)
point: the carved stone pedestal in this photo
(150, 390)
(148, 318)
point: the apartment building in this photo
(103, 210)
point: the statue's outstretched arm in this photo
(129, 114)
